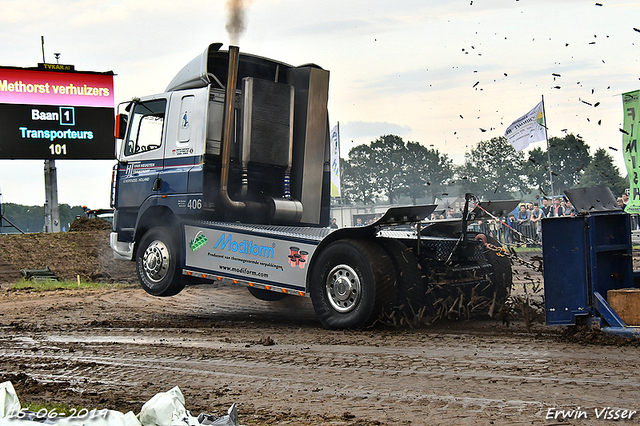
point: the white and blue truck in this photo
(226, 176)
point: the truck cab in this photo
(174, 161)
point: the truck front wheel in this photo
(352, 281)
(157, 262)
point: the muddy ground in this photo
(83, 251)
(116, 347)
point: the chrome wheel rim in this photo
(156, 260)
(343, 288)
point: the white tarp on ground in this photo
(167, 409)
(8, 400)
(164, 409)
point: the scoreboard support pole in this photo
(51, 211)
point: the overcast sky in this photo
(431, 71)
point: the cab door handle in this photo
(157, 184)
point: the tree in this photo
(569, 158)
(27, 218)
(426, 172)
(357, 176)
(601, 171)
(31, 218)
(537, 171)
(493, 170)
(388, 168)
(376, 170)
(388, 160)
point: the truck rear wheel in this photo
(352, 281)
(158, 262)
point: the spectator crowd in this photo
(525, 226)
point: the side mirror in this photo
(121, 126)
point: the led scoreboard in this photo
(56, 114)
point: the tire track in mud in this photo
(477, 376)
(122, 346)
(303, 382)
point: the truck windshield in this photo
(145, 133)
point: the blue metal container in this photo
(584, 257)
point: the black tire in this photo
(351, 282)
(158, 262)
(410, 288)
(266, 295)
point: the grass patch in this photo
(62, 285)
(53, 410)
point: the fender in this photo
(146, 219)
(393, 216)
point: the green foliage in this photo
(602, 172)
(537, 171)
(27, 218)
(387, 163)
(493, 170)
(569, 159)
(31, 218)
(49, 285)
(357, 178)
(52, 410)
(389, 168)
(427, 172)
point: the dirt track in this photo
(118, 347)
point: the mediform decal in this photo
(248, 257)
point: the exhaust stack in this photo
(229, 101)
(275, 209)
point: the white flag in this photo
(335, 162)
(527, 129)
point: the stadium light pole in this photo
(51, 210)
